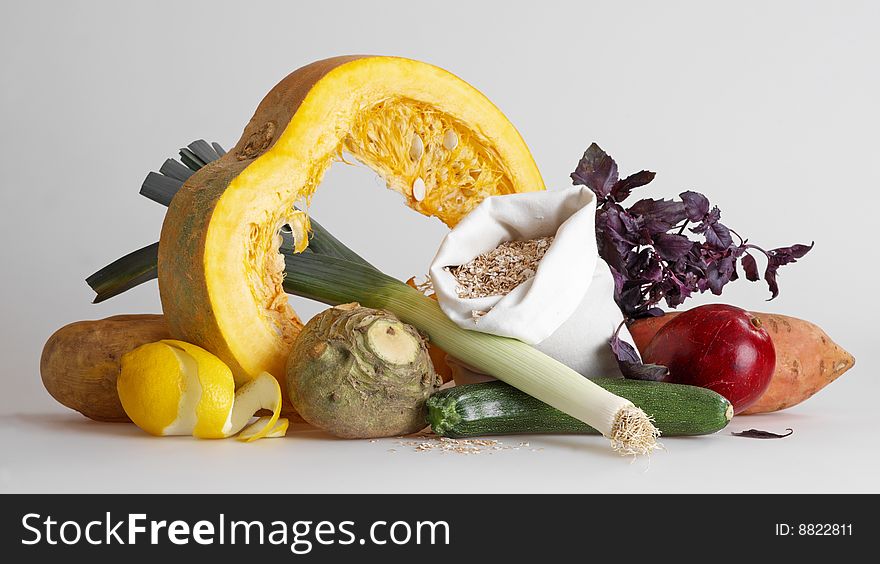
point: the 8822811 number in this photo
(814, 530)
(824, 529)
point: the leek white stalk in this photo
(335, 281)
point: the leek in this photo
(334, 281)
(331, 273)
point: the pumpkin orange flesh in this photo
(220, 272)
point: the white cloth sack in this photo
(567, 309)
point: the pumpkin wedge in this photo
(432, 137)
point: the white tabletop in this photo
(833, 449)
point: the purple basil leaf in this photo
(770, 278)
(750, 266)
(696, 205)
(623, 188)
(631, 225)
(652, 272)
(597, 171)
(672, 247)
(641, 371)
(787, 255)
(623, 350)
(720, 273)
(714, 215)
(791, 253)
(610, 216)
(674, 299)
(717, 235)
(759, 434)
(631, 364)
(612, 256)
(670, 209)
(613, 237)
(683, 289)
(674, 292)
(644, 266)
(619, 280)
(630, 300)
(658, 215)
(781, 257)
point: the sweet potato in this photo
(643, 330)
(807, 359)
(81, 361)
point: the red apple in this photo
(720, 347)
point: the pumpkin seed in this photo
(416, 148)
(419, 190)
(450, 140)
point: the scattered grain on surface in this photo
(431, 443)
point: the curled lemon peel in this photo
(175, 388)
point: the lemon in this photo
(213, 411)
(151, 386)
(175, 388)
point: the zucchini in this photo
(496, 408)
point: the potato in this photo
(807, 359)
(81, 361)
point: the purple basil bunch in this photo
(649, 247)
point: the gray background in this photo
(770, 108)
